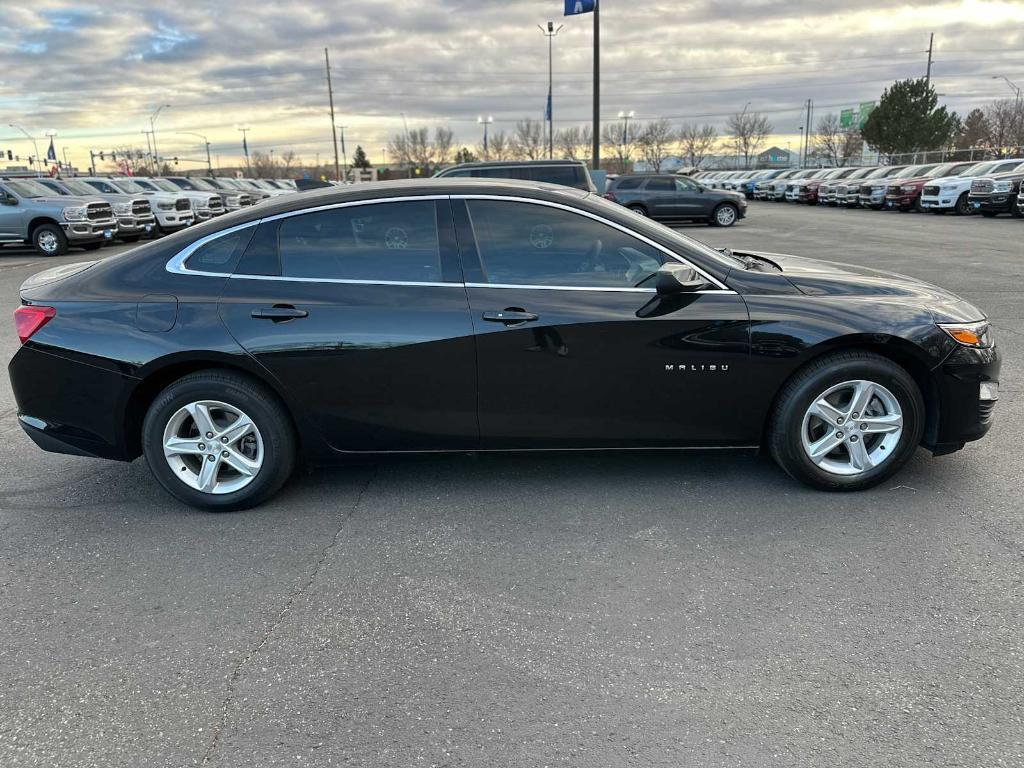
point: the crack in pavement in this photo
(236, 672)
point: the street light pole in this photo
(596, 130)
(209, 165)
(550, 33)
(34, 145)
(152, 128)
(485, 121)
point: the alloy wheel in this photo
(852, 427)
(47, 242)
(213, 447)
(725, 215)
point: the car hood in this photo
(950, 180)
(836, 279)
(70, 200)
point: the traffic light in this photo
(113, 156)
(101, 155)
(175, 161)
(10, 155)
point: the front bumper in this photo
(997, 202)
(135, 225)
(939, 201)
(901, 200)
(874, 200)
(964, 415)
(173, 220)
(89, 231)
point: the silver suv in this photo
(31, 213)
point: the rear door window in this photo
(660, 185)
(381, 242)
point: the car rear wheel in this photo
(50, 240)
(846, 422)
(219, 440)
(637, 209)
(725, 215)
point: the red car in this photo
(809, 191)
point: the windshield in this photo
(162, 184)
(127, 185)
(76, 187)
(26, 188)
(202, 184)
(978, 169)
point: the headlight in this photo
(977, 335)
(1001, 186)
(74, 214)
(234, 200)
(165, 206)
(908, 189)
(122, 208)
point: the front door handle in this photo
(279, 313)
(510, 316)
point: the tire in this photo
(790, 421)
(49, 240)
(725, 215)
(963, 205)
(639, 210)
(129, 238)
(272, 444)
(93, 246)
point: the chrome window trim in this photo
(176, 265)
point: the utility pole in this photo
(596, 161)
(33, 140)
(807, 132)
(149, 150)
(152, 129)
(245, 144)
(334, 129)
(928, 72)
(550, 33)
(485, 121)
(206, 141)
(344, 153)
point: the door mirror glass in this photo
(678, 278)
(8, 199)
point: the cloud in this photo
(95, 72)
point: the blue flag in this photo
(574, 7)
(51, 153)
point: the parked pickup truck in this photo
(232, 197)
(952, 193)
(904, 194)
(31, 213)
(173, 211)
(134, 215)
(992, 195)
(205, 205)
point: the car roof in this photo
(510, 163)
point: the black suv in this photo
(677, 198)
(568, 173)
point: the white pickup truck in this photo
(205, 205)
(951, 193)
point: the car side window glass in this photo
(529, 244)
(633, 183)
(376, 242)
(660, 185)
(104, 187)
(685, 185)
(220, 254)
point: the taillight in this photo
(29, 319)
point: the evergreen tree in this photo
(465, 155)
(360, 160)
(908, 119)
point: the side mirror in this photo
(8, 200)
(678, 278)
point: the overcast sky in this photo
(95, 72)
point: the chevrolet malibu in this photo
(465, 315)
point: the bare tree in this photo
(697, 141)
(528, 140)
(499, 147)
(574, 143)
(398, 149)
(263, 165)
(828, 139)
(620, 144)
(655, 141)
(288, 160)
(1006, 126)
(421, 148)
(748, 131)
(443, 142)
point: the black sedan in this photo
(665, 197)
(455, 315)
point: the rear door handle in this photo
(279, 313)
(510, 316)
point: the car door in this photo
(360, 312)
(575, 348)
(12, 216)
(660, 195)
(691, 199)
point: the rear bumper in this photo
(67, 406)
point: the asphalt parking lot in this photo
(633, 609)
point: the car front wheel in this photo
(50, 240)
(639, 210)
(847, 421)
(725, 215)
(219, 440)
